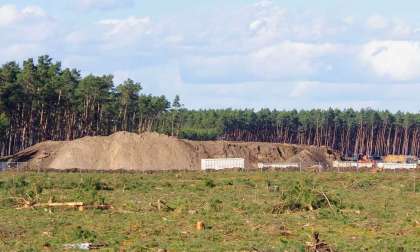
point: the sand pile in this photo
(312, 156)
(152, 151)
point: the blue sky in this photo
(238, 53)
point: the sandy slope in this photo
(152, 151)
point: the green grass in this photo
(267, 211)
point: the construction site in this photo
(157, 152)
(390, 162)
(152, 192)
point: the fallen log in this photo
(56, 204)
(76, 205)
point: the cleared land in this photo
(152, 151)
(252, 211)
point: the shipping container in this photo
(222, 163)
(278, 166)
(364, 165)
(340, 164)
(400, 159)
(394, 166)
(346, 164)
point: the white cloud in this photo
(121, 32)
(401, 29)
(20, 51)
(304, 59)
(33, 11)
(268, 23)
(394, 60)
(76, 37)
(377, 22)
(166, 80)
(282, 61)
(290, 60)
(10, 15)
(131, 24)
(103, 4)
(302, 89)
(24, 31)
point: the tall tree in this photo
(128, 95)
(41, 101)
(176, 107)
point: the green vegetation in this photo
(242, 211)
(41, 101)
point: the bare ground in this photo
(152, 151)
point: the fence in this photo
(13, 166)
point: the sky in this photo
(279, 54)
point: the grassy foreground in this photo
(253, 211)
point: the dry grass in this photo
(253, 211)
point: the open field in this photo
(242, 211)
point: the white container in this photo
(340, 164)
(365, 165)
(222, 163)
(394, 166)
(277, 166)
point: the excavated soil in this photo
(152, 151)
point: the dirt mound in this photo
(312, 156)
(152, 151)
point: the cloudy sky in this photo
(279, 54)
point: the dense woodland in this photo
(39, 100)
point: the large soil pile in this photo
(151, 151)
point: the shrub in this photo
(364, 184)
(15, 183)
(94, 184)
(21, 187)
(84, 235)
(209, 183)
(246, 182)
(228, 182)
(304, 195)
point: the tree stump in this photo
(200, 226)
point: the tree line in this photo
(39, 101)
(350, 132)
